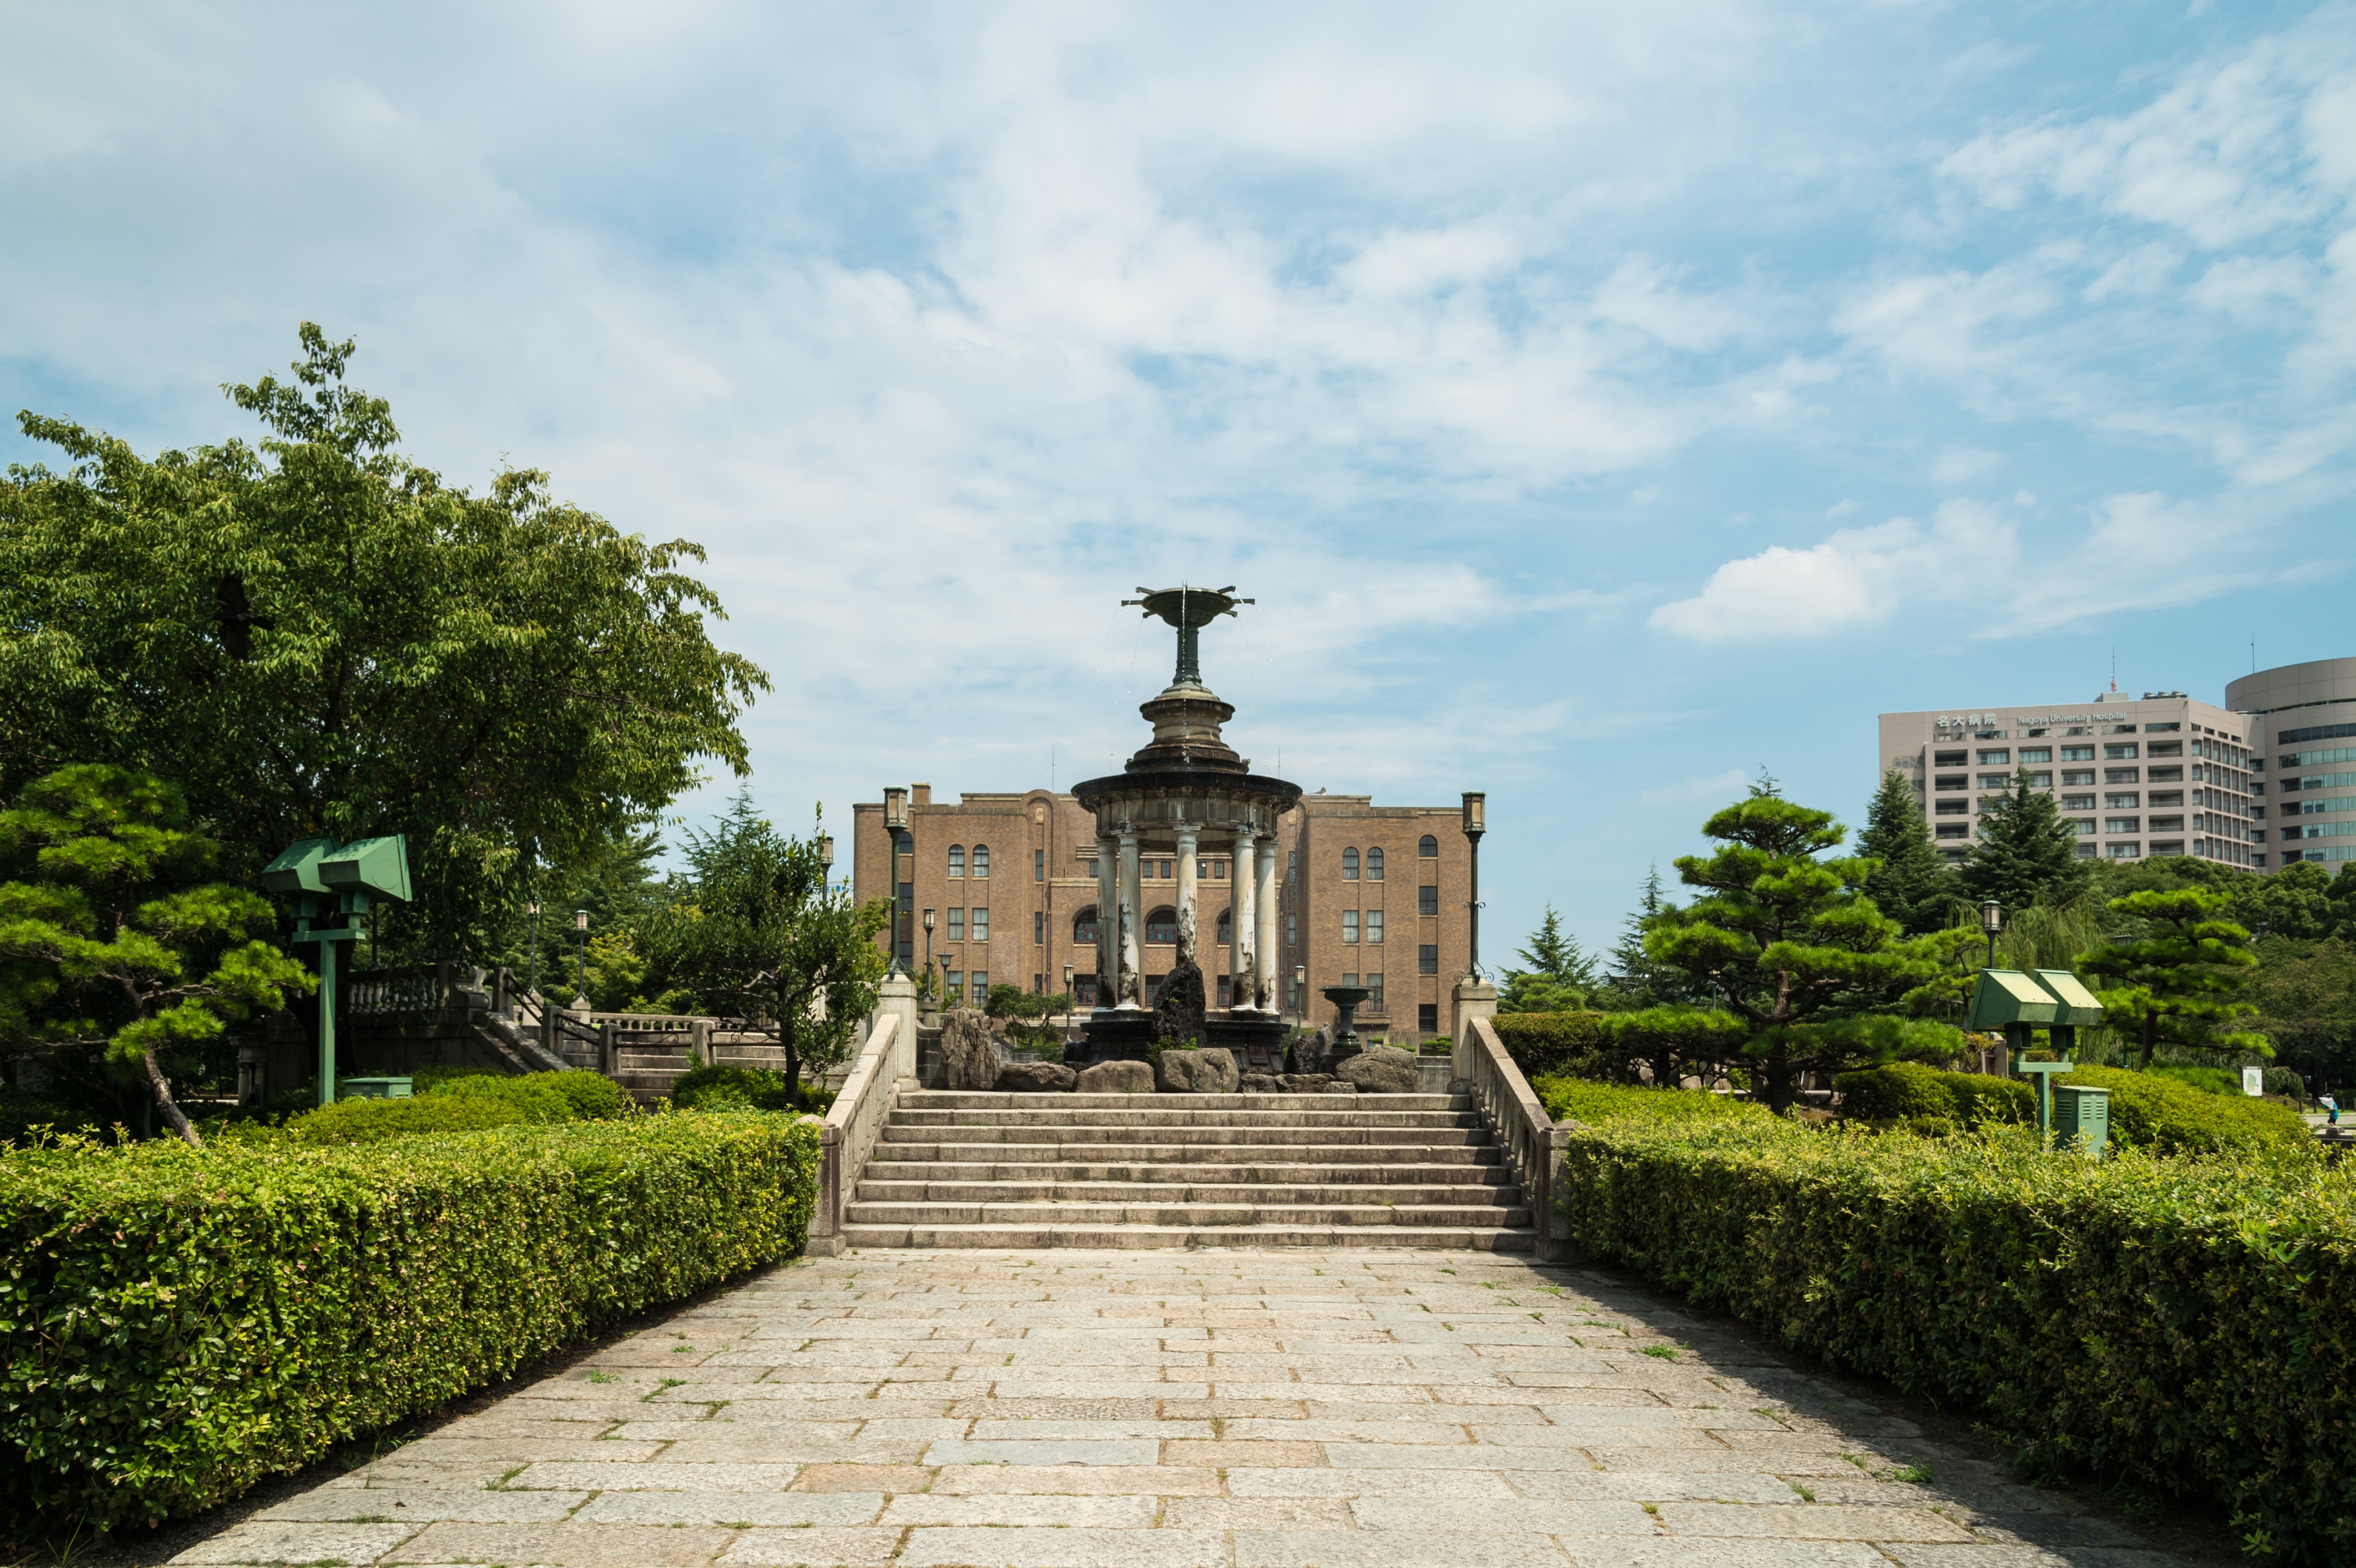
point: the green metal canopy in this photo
(2074, 1005)
(2008, 996)
(296, 869)
(378, 866)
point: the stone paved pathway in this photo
(1170, 1410)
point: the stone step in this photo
(992, 1099)
(1317, 1115)
(1194, 1216)
(1441, 1238)
(1195, 1136)
(1461, 1195)
(1159, 1153)
(1185, 1172)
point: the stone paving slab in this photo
(1205, 1409)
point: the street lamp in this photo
(1067, 1004)
(1476, 822)
(531, 985)
(928, 948)
(826, 856)
(904, 902)
(1300, 990)
(1992, 922)
(580, 961)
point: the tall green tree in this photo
(2027, 850)
(2180, 974)
(756, 929)
(314, 635)
(1912, 883)
(1560, 975)
(1784, 939)
(1633, 978)
(113, 938)
(2304, 993)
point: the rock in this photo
(1116, 1077)
(1340, 1086)
(1036, 1078)
(1178, 1017)
(1307, 1052)
(1198, 1072)
(968, 1051)
(1258, 1083)
(1302, 1082)
(1382, 1069)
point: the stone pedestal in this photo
(897, 995)
(1474, 998)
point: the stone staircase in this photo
(962, 1169)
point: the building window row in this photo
(1350, 865)
(981, 860)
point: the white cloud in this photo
(1731, 784)
(1956, 464)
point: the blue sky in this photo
(1600, 400)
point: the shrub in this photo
(464, 1104)
(21, 1113)
(1576, 1100)
(1928, 1101)
(175, 1325)
(722, 1087)
(2183, 1324)
(2208, 1080)
(1553, 1043)
(2171, 1117)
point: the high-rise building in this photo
(2304, 715)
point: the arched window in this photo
(1374, 865)
(1349, 866)
(956, 860)
(1428, 847)
(1162, 925)
(1227, 927)
(981, 860)
(1084, 927)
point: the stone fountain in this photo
(1185, 792)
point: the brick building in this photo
(1366, 895)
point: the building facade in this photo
(2160, 774)
(1366, 895)
(2305, 716)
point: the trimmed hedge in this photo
(1928, 1101)
(176, 1325)
(1576, 1100)
(2173, 1117)
(1548, 1044)
(2185, 1325)
(471, 1103)
(724, 1087)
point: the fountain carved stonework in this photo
(1184, 794)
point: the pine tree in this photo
(2182, 975)
(1561, 976)
(1913, 886)
(2027, 852)
(1634, 979)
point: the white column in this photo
(1247, 935)
(1133, 888)
(1269, 955)
(1108, 920)
(1188, 947)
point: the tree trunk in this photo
(2150, 1039)
(790, 1038)
(1780, 1094)
(172, 1112)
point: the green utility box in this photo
(2082, 1110)
(378, 1088)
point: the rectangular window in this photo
(1093, 871)
(1375, 992)
(1427, 1017)
(2119, 751)
(1995, 780)
(1224, 985)
(953, 988)
(2076, 777)
(2155, 729)
(1349, 925)
(2118, 729)
(1038, 985)
(2041, 782)
(1291, 930)
(1084, 991)
(1952, 781)
(1038, 926)
(1951, 809)
(1994, 755)
(2122, 775)
(1426, 900)
(2165, 775)
(2166, 826)
(1292, 865)
(957, 925)
(1950, 758)
(2121, 824)
(2077, 802)
(2125, 802)
(978, 987)
(2085, 825)
(1373, 925)
(2036, 753)
(1427, 959)
(1954, 830)
(2077, 754)
(2126, 852)
(980, 924)
(1038, 865)
(2165, 747)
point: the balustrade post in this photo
(609, 1049)
(699, 1039)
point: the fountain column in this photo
(1108, 920)
(1133, 888)
(1266, 952)
(1186, 940)
(1244, 989)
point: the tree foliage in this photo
(1912, 883)
(315, 635)
(2027, 853)
(2304, 993)
(113, 938)
(1560, 975)
(2180, 974)
(756, 929)
(1784, 941)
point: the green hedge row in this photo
(2185, 1325)
(1579, 1100)
(175, 1325)
(1547, 1044)
(2174, 1117)
(725, 1087)
(469, 1103)
(1928, 1101)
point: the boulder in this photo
(1036, 1078)
(1258, 1083)
(1116, 1077)
(1198, 1072)
(970, 1056)
(1382, 1069)
(1178, 1016)
(1340, 1086)
(1302, 1082)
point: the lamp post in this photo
(904, 894)
(531, 984)
(1476, 822)
(580, 961)
(1300, 992)
(1067, 1005)
(1992, 922)
(928, 952)
(826, 855)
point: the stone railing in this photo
(850, 1130)
(1532, 1143)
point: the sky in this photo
(1600, 402)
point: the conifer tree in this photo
(1633, 978)
(1561, 976)
(1913, 884)
(2027, 852)
(2181, 975)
